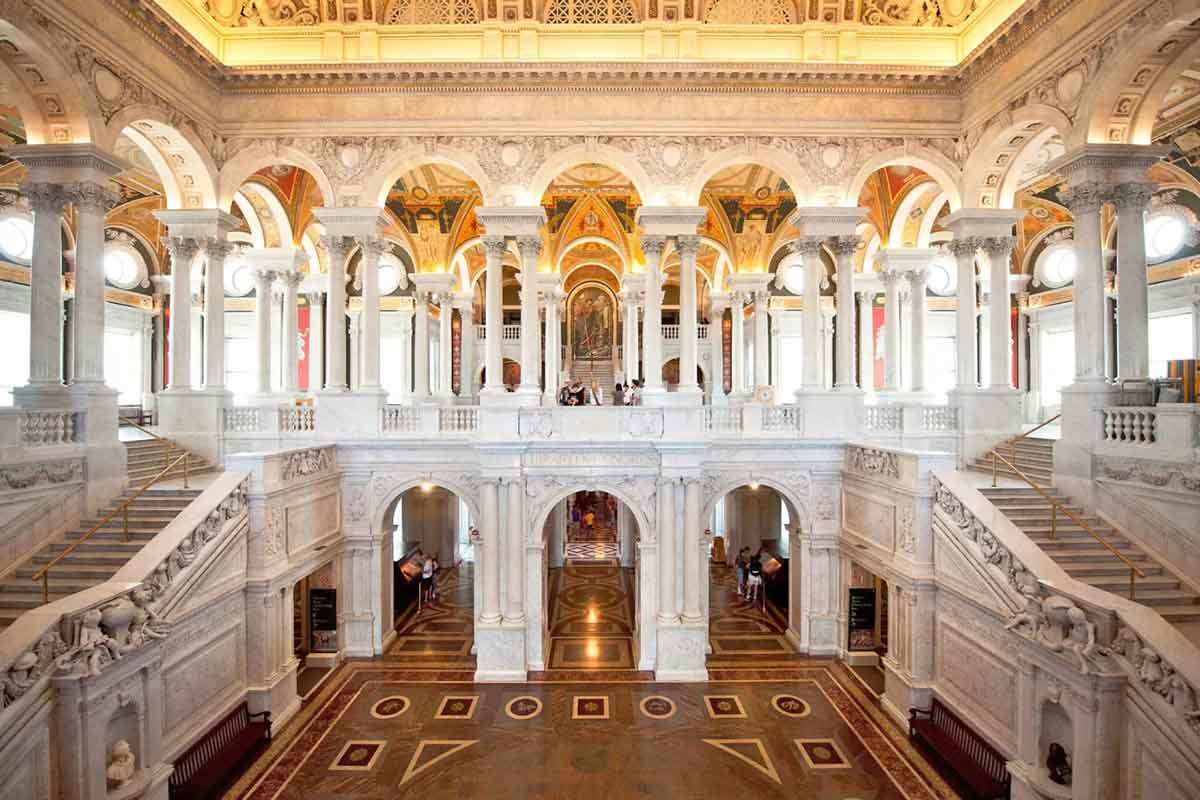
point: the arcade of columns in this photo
(1097, 174)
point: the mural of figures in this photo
(592, 318)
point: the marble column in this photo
(891, 330)
(919, 311)
(216, 250)
(148, 362)
(263, 279)
(692, 568)
(629, 338)
(844, 248)
(466, 352)
(183, 250)
(1133, 314)
(277, 335)
(689, 248)
(1196, 322)
(493, 344)
(1035, 366)
(490, 552)
(999, 252)
(827, 335)
(291, 333)
(716, 346)
(406, 357)
(373, 248)
(553, 298)
(866, 339)
(626, 527)
(316, 339)
(652, 247)
(355, 321)
(530, 247)
(47, 201)
(514, 546)
(964, 316)
(92, 202)
(737, 343)
(1085, 200)
(196, 349)
(445, 389)
(421, 345)
(667, 610)
(762, 351)
(338, 248)
(809, 249)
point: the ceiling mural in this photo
(749, 208)
(434, 211)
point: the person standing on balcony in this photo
(619, 395)
(597, 394)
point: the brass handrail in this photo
(1054, 506)
(44, 573)
(146, 431)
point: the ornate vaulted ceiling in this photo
(896, 32)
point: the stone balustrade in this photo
(913, 425)
(509, 333)
(1131, 424)
(297, 419)
(670, 333)
(42, 428)
(1168, 431)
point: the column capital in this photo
(845, 245)
(265, 276)
(688, 245)
(291, 279)
(718, 302)
(373, 246)
(806, 246)
(999, 246)
(315, 298)
(530, 247)
(45, 197)
(337, 246)
(495, 246)
(966, 246)
(92, 196)
(916, 277)
(891, 278)
(182, 249)
(866, 294)
(1085, 196)
(653, 244)
(1132, 196)
(218, 248)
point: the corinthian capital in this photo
(494, 246)
(183, 250)
(807, 246)
(93, 197)
(844, 245)
(338, 248)
(999, 246)
(45, 198)
(1131, 196)
(530, 247)
(966, 246)
(373, 247)
(653, 245)
(216, 249)
(688, 246)
(1085, 197)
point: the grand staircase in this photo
(99, 557)
(602, 372)
(1075, 549)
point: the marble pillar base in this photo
(683, 397)
(1082, 426)
(902, 693)
(195, 418)
(278, 696)
(526, 396)
(500, 656)
(986, 417)
(655, 397)
(356, 632)
(681, 652)
(832, 414)
(106, 470)
(497, 396)
(41, 397)
(350, 415)
(823, 639)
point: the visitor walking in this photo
(740, 564)
(635, 397)
(433, 580)
(597, 394)
(427, 577)
(619, 395)
(754, 578)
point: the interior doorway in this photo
(314, 627)
(591, 584)
(429, 583)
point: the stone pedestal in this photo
(349, 415)
(985, 418)
(1082, 426)
(835, 414)
(195, 419)
(680, 655)
(500, 653)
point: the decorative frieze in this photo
(1159, 474)
(44, 473)
(874, 462)
(305, 463)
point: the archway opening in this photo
(752, 592)
(591, 583)
(429, 587)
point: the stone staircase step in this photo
(96, 573)
(1119, 584)
(1097, 553)
(1089, 573)
(1177, 614)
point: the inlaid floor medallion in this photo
(790, 706)
(724, 706)
(525, 707)
(358, 755)
(589, 707)
(457, 707)
(822, 754)
(390, 707)
(658, 707)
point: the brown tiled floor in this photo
(591, 617)
(743, 635)
(441, 634)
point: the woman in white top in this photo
(597, 394)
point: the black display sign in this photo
(322, 615)
(862, 619)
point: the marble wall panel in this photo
(311, 521)
(198, 677)
(977, 679)
(869, 518)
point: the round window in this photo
(1166, 234)
(1056, 265)
(390, 273)
(16, 239)
(793, 278)
(122, 267)
(239, 279)
(943, 276)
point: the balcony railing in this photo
(508, 333)
(670, 333)
(1131, 424)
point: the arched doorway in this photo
(753, 595)
(591, 584)
(431, 617)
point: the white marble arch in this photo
(786, 165)
(932, 163)
(185, 166)
(247, 162)
(389, 487)
(577, 155)
(537, 511)
(380, 180)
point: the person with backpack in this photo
(754, 578)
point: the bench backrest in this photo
(980, 752)
(210, 744)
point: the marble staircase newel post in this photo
(1133, 320)
(999, 252)
(809, 249)
(866, 339)
(514, 548)
(183, 250)
(844, 248)
(964, 255)
(316, 339)
(1085, 201)
(47, 200)
(373, 248)
(688, 247)
(667, 611)
(919, 306)
(891, 329)
(421, 386)
(263, 279)
(291, 332)
(692, 567)
(490, 552)
(530, 247)
(494, 247)
(216, 252)
(652, 247)
(338, 248)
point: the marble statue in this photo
(1058, 764)
(121, 764)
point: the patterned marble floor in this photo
(378, 730)
(593, 551)
(440, 635)
(743, 635)
(591, 617)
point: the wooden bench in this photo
(202, 770)
(980, 766)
